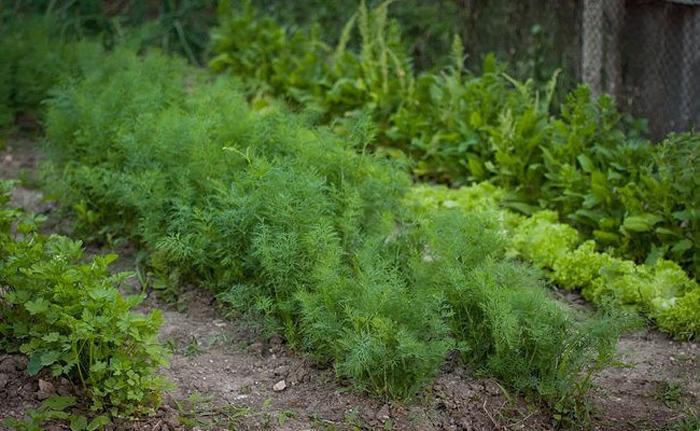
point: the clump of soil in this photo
(17, 390)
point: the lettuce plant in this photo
(662, 290)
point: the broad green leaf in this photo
(591, 201)
(50, 357)
(37, 307)
(589, 214)
(78, 423)
(643, 223)
(35, 365)
(606, 237)
(685, 215)
(51, 337)
(98, 422)
(600, 187)
(665, 231)
(586, 163)
(108, 258)
(54, 414)
(682, 246)
(608, 224)
(98, 367)
(59, 403)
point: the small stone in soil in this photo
(383, 414)
(280, 386)
(46, 390)
(4, 379)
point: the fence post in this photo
(613, 18)
(689, 87)
(592, 56)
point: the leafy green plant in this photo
(426, 26)
(669, 393)
(35, 59)
(53, 409)
(660, 290)
(197, 411)
(177, 26)
(69, 317)
(502, 317)
(589, 166)
(193, 348)
(303, 68)
(689, 422)
(527, 35)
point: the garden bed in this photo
(225, 371)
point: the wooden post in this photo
(592, 55)
(690, 62)
(614, 18)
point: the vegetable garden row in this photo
(300, 210)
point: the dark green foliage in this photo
(304, 229)
(69, 316)
(301, 67)
(590, 165)
(668, 189)
(444, 122)
(588, 162)
(428, 26)
(176, 26)
(34, 59)
(53, 409)
(690, 421)
(533, 37)
(35, 56)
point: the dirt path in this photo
(228, 376)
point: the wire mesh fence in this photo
(661, 64)
(645, 53)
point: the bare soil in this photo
(228, 376)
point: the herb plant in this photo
(69, 317)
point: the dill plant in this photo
(302, 228)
